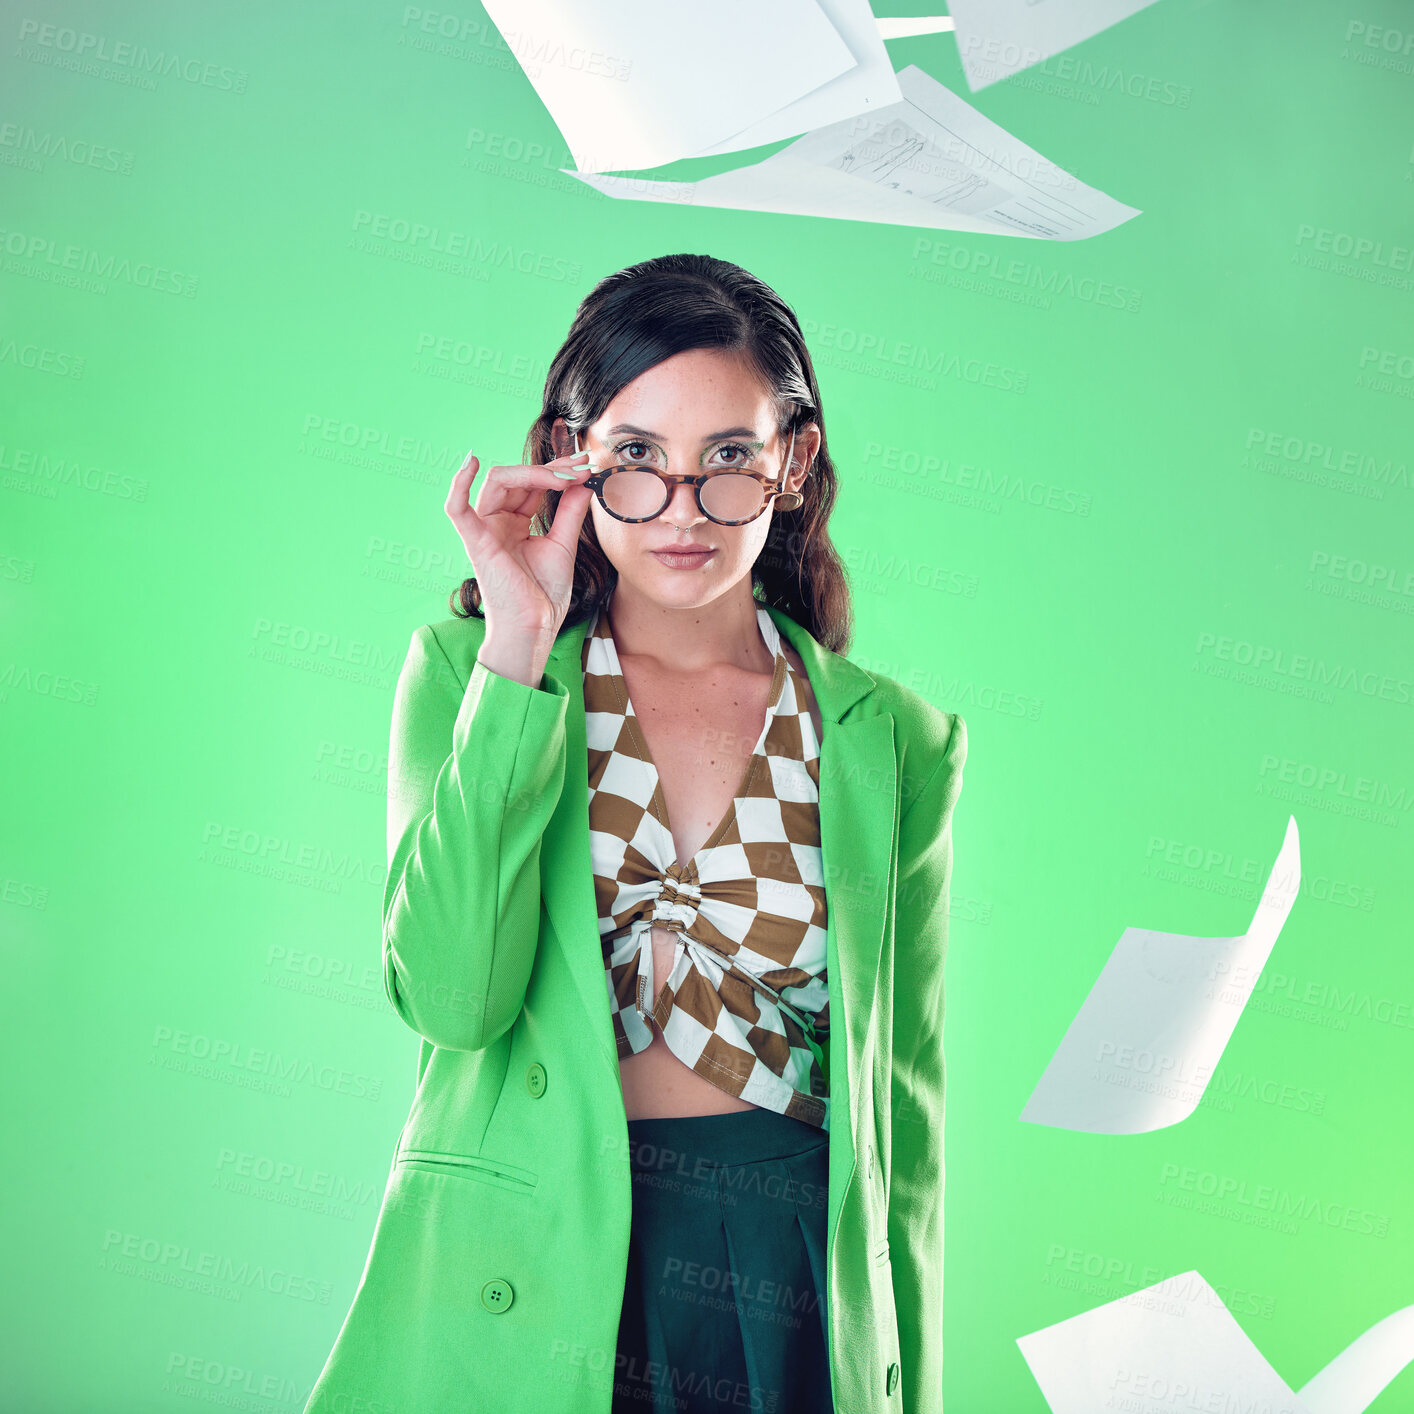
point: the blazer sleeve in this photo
(474, 776)
(919, 1077)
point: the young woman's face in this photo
(699, 412)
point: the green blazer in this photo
(496, 1273)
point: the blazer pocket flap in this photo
(476, 1166)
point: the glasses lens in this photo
(727, 495)
(634, 495)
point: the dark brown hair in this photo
(633, 320)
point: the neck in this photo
(723, 632)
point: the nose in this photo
(682, 506)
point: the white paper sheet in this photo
(870, 85)
(928, 160)
(1352, 1380)
(1144, 1045)
(638, 83)
(1175, 1346)
(906, 26)
(998, 38)
(1172, 1346)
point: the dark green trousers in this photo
(724, 1306)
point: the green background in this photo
(222, 519)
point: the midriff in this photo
(655, 1082)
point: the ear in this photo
(562, 439)
(807, 444)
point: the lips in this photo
(690, 548)
(683, 559)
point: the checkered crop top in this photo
(747, 1000)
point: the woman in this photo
(631, 1177)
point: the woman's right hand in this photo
(525, 580)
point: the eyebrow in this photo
(658, 437)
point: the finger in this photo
(471, 464)
(519, 489)
(569, 517)
(459, 493)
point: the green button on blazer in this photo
(496, 1273)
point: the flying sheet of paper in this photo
(907, 26)
(870, 85)
(1144, 1045)
(998, 38)
(1351, 1381)
(1140, 1351)
(636, 83)
(928, 160)
(1175, 1345)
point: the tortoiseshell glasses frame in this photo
(770, 488)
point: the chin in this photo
(678, 589)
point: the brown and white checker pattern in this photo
(749, 977)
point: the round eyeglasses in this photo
(635, 492)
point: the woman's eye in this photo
(734, 453)
(743, 454)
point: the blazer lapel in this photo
(858, 830)
(568, 887)
(858, 804)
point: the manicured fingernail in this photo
(567, 475)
